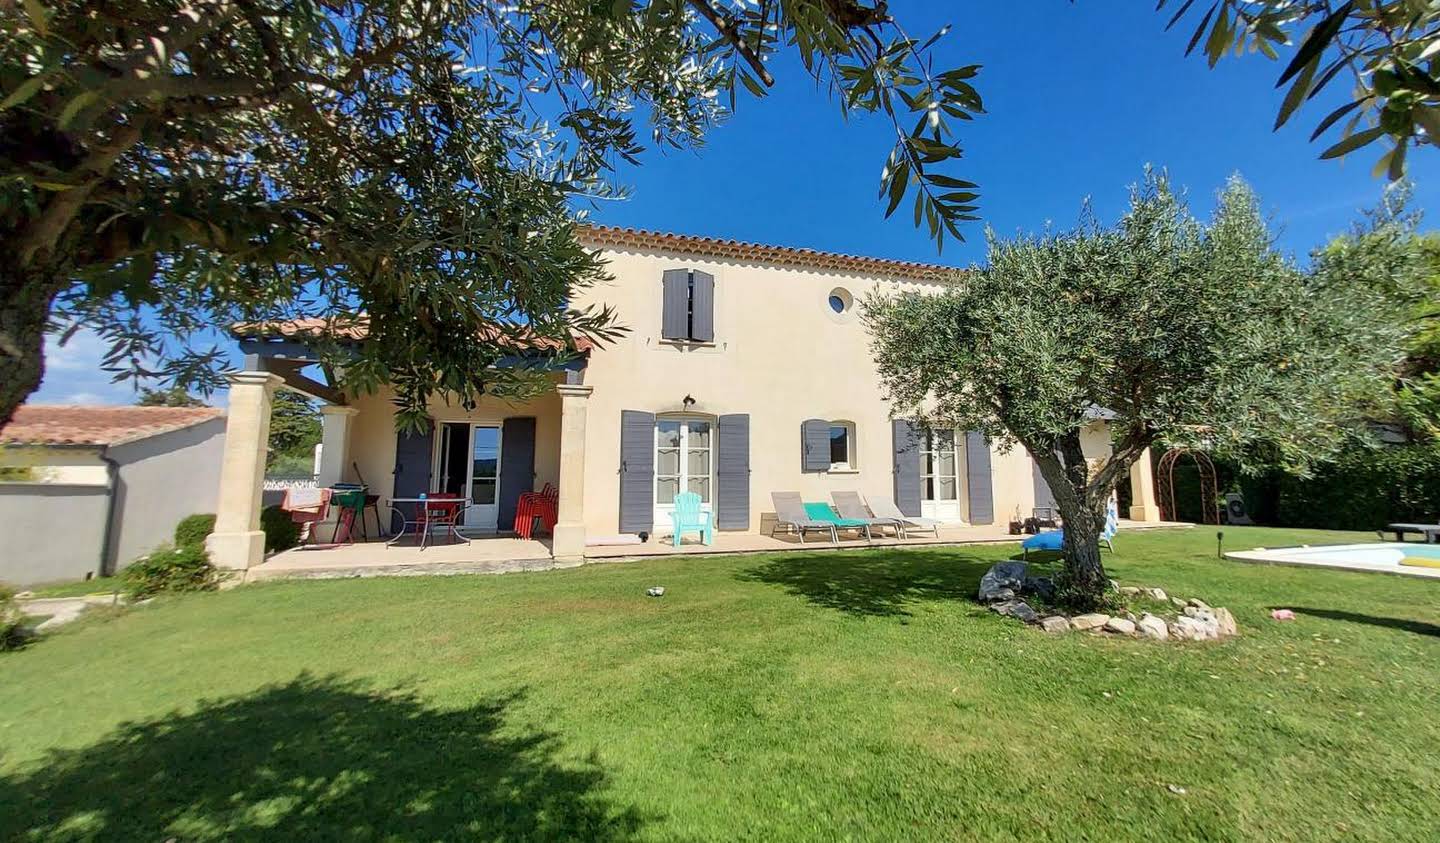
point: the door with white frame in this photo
(469, 466)
(940, 476)
(684, 462)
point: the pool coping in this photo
(1258, 555)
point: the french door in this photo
(940, 476)
(683, 463)
(469, 466)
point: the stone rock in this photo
(1225, 622)
(1093, 620)
(1055, 623)
(1152, 626)
(1157, 594)
(1041, 587)
(1130, 616)
(1114, 586)
(1129, 590)
(1018, 609)
(1003, 581)
(1197, 603)
(1188, 628)
(656, 591)
(1124, 626)
(1177, 602)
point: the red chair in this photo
(307, 508)
(543, 505)
(441, 510)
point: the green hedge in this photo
(1364, 490)
(170, 569)
(281, 533)
(194, 529)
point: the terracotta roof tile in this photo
(43, 424)
(636, 238)
(359, 328)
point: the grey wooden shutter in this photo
(675, 305)
(906, 437)
(732, 472)
(413, 452)
(977, 479)
(702, 306)
(815, 445)
(637, 471)
(517, 466)
(1043, 496)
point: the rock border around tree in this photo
(1008, 589)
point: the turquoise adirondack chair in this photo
(689, 517)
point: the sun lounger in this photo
(821, 511)
(1431, 532)
(886, 508)
(790, 512)
(849, 505)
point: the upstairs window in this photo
(687, 308)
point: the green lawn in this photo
(79, 588)
(824, 696)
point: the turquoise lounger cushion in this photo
(822, 512)
(1049, 540)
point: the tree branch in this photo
(40, 234)
(726, 27)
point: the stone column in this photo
(568, 544)
(1142, 490)
(334, 443)
(238, 541)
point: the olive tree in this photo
(170, 166)
(1185, 331)
(1384, 50)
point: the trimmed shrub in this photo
(281, 533)
(1365, 489)
(194, 529)
(172, 570)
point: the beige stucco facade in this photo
(780, 354)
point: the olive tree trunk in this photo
(25, 301)
(1082, 496)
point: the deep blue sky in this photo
(1080, 98)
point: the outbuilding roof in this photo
(48, 424)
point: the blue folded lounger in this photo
(1048, 540)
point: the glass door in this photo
(483, 481)
(940, 476)
(683, 462)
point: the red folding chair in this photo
(441, 511)
(307, 508)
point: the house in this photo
(746, 370)
(85, 490)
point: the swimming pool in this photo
(1388, 557)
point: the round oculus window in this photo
(839, 300)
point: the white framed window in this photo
(684, 461)
(842, 446)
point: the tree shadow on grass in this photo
(315, 759)
(874, 582)
(1403, 624)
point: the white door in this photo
(683, 463)
(484, 478)
(940, 476)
